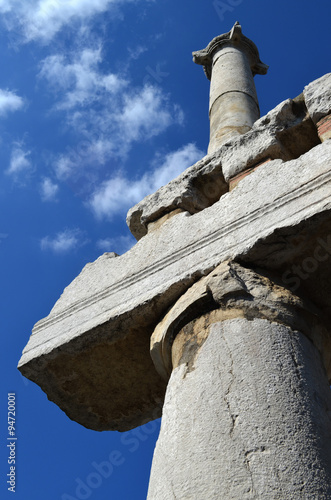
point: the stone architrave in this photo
(110, 310)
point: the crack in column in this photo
(233, 417)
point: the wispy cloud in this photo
(19, 161)
(64, 241)
(48, 190)
(136, 52)
(9, 102)
(6, 5)
(119, 245)
(109, 114)
(146, 113)
(79, 78)
(119, 193)
(43, 19)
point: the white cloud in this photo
(9, 101)
(19, 161)
(120, 193)
(120, 244)
(6, 5)
(88, 154)
(42, 19)
(79, 78)
(48, 189)
(108, 114)
(64, 241)
(132, 115)
(146, 113)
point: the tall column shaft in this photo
(233, 103)
(230, 62)
(247, 413)
(247, 421)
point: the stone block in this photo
(198, 187)
(318, 97)
(284, 133)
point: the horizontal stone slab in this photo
(91, 354)
(286, 132)
(198, 187)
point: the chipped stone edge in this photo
(190, 191)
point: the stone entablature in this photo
(285, 133)
(120, 298)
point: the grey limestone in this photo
(198, 187)
(250, 419)
(110, 310)
(286, 132)
(238, 292)
(247, 412)
(318, 97)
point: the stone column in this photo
(230, 62)
(247, 413)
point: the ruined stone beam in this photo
(91, 354)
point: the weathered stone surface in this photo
(116, 298)
(205, 56)
(154, 226)
(247, 388)
(251, 418)
(194, 301)
(234, 181)
(284, 133)
(198, 187)
(318, 97)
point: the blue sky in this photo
(100, 104)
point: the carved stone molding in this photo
(233, 291)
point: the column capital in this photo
(233, 291)
(233, 38)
